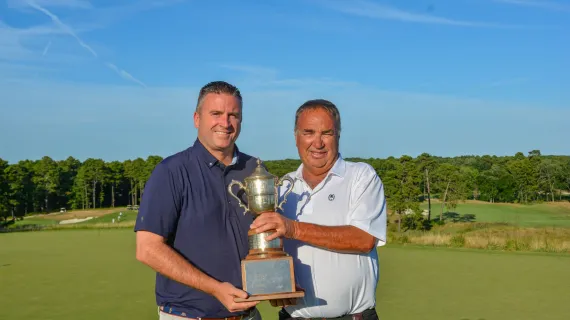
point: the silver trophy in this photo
(267, 271)
(261, 189)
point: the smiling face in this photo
(218, 121)
(317, 141)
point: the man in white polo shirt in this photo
(332, 222)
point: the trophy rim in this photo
(268, 176)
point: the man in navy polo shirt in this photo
(189, 230)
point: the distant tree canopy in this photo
(45, 185)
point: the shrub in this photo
(415, 221)
(457, 240)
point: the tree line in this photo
(410, 181)
(46, 185)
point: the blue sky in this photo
(117, 79)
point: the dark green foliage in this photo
(4, 191)
(458, 240)
(415, 221)
(282, 167)
(46, 185)
(456, 217)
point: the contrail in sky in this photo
(46, 48)
(69, 30)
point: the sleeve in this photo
(368, 205)
(160, 204)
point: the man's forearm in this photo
(347, 239)
(163, 259)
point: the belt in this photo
(173, 311)
(227, 318)
(356, 316)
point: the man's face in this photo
(316, 139)
(218, 121)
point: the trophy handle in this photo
(241, 186)
(283, 179)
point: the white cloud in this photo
(106, 16)
(125, 74)
(12, 40)
(80, 4)
(48, 45)
(266, 77)
(65, 28)
(72, 4)
(16, 44)
(538, 4)
(46, 49)
(253, 71)
(374, 10)
(509, 82)
(119, 122)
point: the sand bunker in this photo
(74, 220)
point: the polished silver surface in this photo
(261, 189)
(261, 186)
(289, 189)
(258, 242)
(241, 187)
(261, 195)
(261, 203)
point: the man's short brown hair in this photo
(218, 87)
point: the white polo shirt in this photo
(336, 284)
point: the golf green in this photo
(531, 215)
(93, 274)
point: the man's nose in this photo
(318, 143)
(225, 121)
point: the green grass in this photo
(34, 221)
(93, 274)
(53, 221)
(108, 218)
(535, 215)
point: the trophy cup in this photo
(267, 271)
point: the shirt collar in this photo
(208, 158)
(338, 169)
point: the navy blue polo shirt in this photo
(186, 201)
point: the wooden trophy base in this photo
(264, 297)
(268, 275)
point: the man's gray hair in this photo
(218, 87)
(322, 104)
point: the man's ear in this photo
(196, 119)
(296, 137)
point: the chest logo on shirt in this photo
(331, 197)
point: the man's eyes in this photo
(310, 133)
(220, 113)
